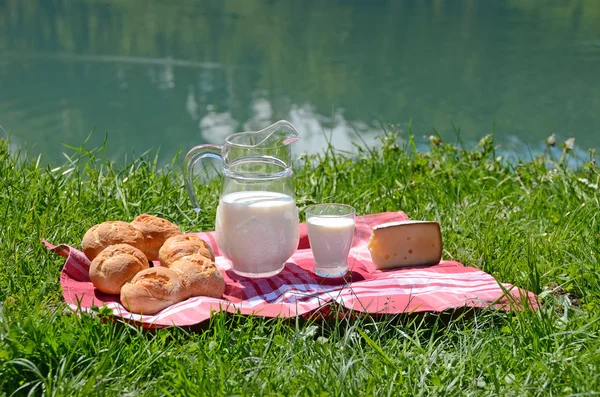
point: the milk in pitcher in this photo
(257, 231)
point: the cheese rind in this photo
(405, 243)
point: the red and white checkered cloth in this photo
(298, 291)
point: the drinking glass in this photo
(330, 232)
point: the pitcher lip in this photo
(230, 143)
(243, 145)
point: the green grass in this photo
(535, 224)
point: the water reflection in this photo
(151, 74)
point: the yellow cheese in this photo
(406, 243)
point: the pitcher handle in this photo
(191, 158)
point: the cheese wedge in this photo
(405, 243)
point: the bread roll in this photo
(110, 233)
(178, 247)
(152, 290)
(116, 265)
(155, 230)
(200, 277)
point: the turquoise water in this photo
(152, 74)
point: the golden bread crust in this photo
(178, 247)
(152, 290)
(116, 265)
(200, 277)
(105, 234)
(155, 231)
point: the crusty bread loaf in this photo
(200, 277)
(152, 290)
(116, 265)
(156, 231)
(178, 247)
(110, 233)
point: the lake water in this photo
(172, 74)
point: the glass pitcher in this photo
(256, 226)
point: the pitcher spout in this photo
(281, 133)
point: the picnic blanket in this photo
(298, 291)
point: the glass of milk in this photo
(330, 233)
